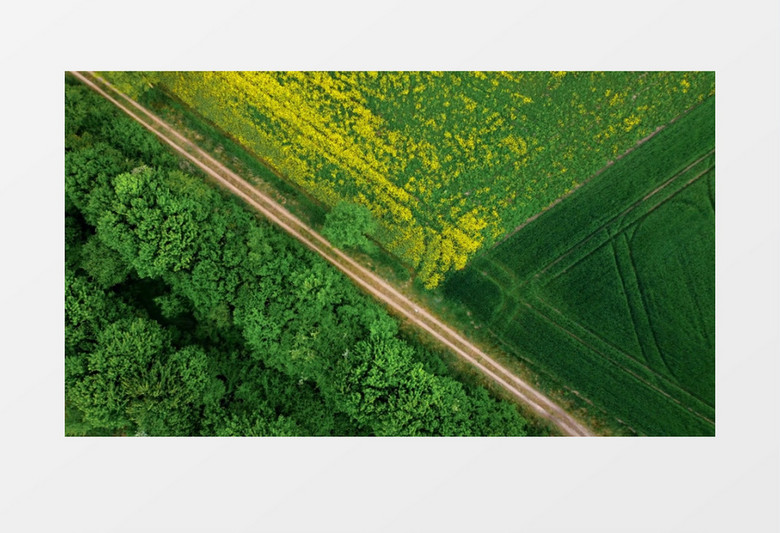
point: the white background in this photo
(726, 483)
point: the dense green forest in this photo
(185, 314)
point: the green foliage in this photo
(347, 226)
(103, 264)
(106, 380)
(380, 386)
(74, 236)
(132, 378)
(135, 142)
(87, 171)
(86, 312)
(257, 426)
(151, 228)
(171, 305)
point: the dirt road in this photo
(363, 277)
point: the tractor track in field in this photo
(369, 282)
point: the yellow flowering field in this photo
(448, 162)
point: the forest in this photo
(186, 314)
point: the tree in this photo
(87, 170)
(347, 225)
(382, 387)
(87, 311)
(98, 384)
(103, 264)
(133, 379)
(74, 238)
(151, 227)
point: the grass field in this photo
(448, 162)
(611, 292)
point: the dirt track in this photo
(363, 277)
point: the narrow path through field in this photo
(364, 278)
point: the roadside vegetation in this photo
(185, 314)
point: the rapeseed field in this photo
(447, 162)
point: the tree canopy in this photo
(349, 225)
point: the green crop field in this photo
(611, 292)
